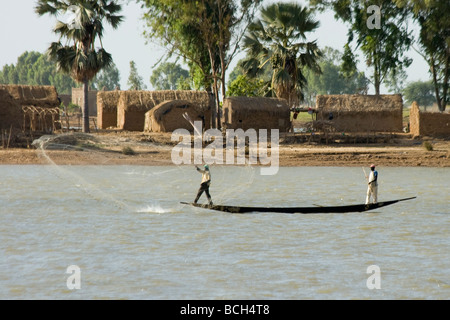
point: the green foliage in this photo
(200, 32)
(184, 83)
(420, 91)
(428, 146)
(33, 68)
(135, 81)
(71, 108)
(333, 80)
(108, 78)
(75, 52)
(78, 56)
(174, 24)
(205, 33)
(199, 80)
(348, 62)
(278, 39)
(433, 17)
(169, 76)
(243, 86)
(395, 81)
(128, 151)
(383, 47)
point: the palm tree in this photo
(278, 38)
(78, 56)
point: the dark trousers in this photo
(204, 187)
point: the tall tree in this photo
(25, 60)
(206, 33)
(78, 55)
(135, 81)
(279, 37)
(8, 75)
(379, 30)
(332, 80)
(420, 91)
(108, 78)
(395, 82)
(35, 69)
(241, 84)
(168, 23)
(433, 17)
(167, 75)
(244, 86)
(172, 23)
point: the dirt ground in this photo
(155, 149)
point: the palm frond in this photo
(46, 7)
(79, 57)
(114, 20)
(104, 59)
(64, 57)
(52, 51)
(97, 28)
(84, 15)
(282, 77)
(61, 28)
(112, 7)
(251, 67)
(252, 44)
(278, 36)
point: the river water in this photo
(125, 231)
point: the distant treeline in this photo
(34, 68)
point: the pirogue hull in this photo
(302, 210)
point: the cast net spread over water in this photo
(95, 155)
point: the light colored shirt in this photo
(373, 178)
(206, 175)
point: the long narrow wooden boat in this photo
(303, 210)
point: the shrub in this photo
(128, 151)
(428, 146)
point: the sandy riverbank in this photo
(155, 149)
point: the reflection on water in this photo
(125, 228)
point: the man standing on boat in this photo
(206, 181)
(372, 189)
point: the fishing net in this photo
(134, 171)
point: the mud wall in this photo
(77, 98)
(34, 108)
(133, 105)
(107, 108)
(434, 124)
(361, 113)
(256, 113)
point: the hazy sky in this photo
(21, 29)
